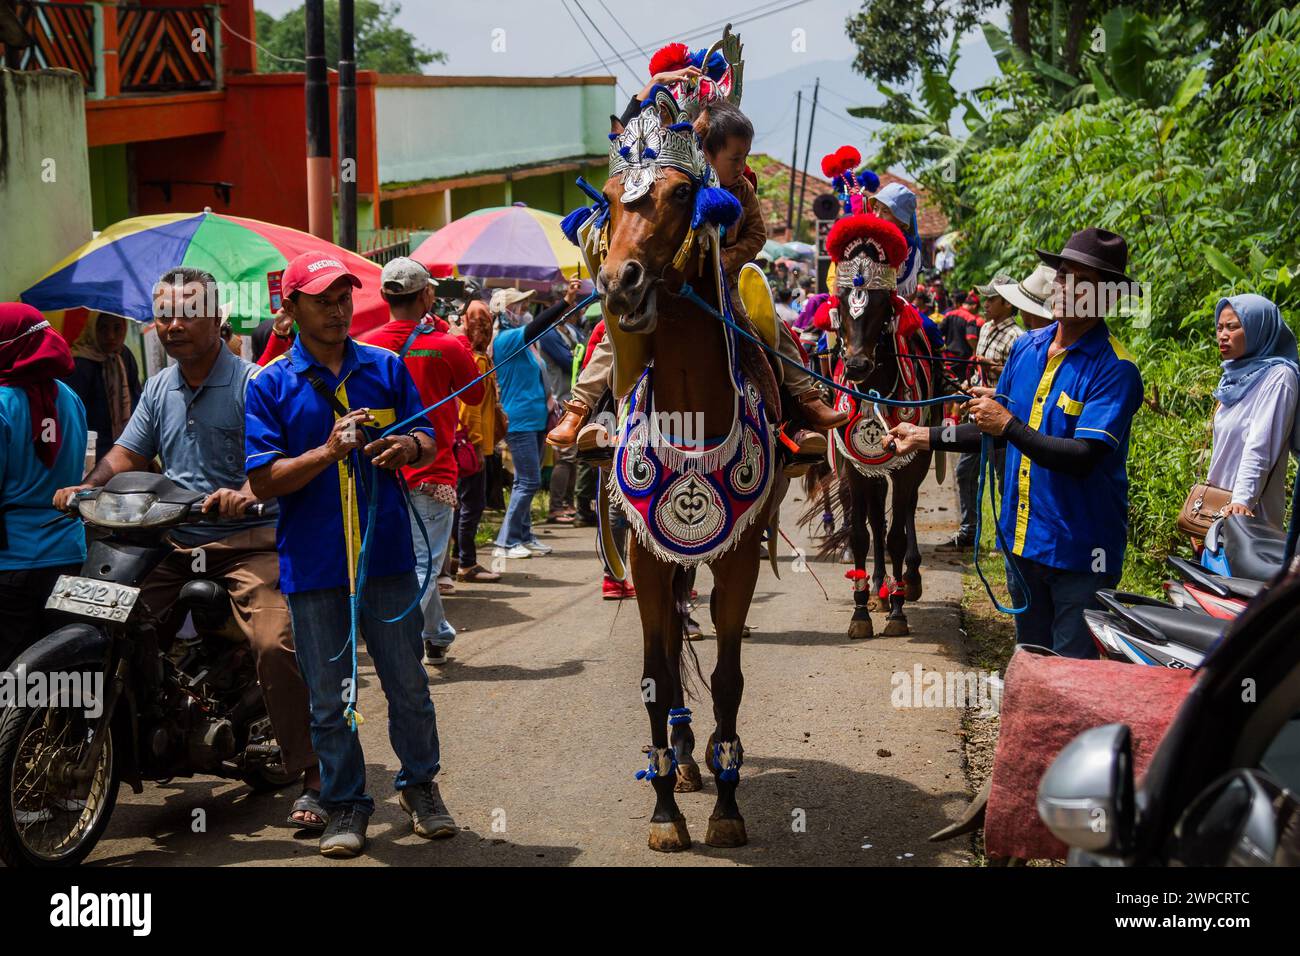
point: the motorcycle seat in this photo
(1254, 549)
(1198, 631)
(1239, 587)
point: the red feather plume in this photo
(829, 169)
(865, 226)
(674, 56)
(822, 317)
(849, 158)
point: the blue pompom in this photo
(858, 280)
(649, 153)
(681, 127)
(717, 64)
(570, 224)
(715, 206)
(613, 136)
(625, 151)
(868, 180)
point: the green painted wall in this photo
(44, 181)
(110, 177)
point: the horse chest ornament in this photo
(861, 440)
(689, 502)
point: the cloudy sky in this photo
(788, 45)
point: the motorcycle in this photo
(150, 708)
(1243, 547)
(1144, 630)
(1221, 787)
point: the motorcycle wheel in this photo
(44, 822)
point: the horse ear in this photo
(667, 116)
(615, 127)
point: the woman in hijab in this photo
(106, 378)
(42, 449)
(1254, 423)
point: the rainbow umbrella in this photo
(115, 272)
(502, 242)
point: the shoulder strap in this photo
(420, 329)
(326, 392)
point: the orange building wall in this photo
(262, 151)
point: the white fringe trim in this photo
(870, 471)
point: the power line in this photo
(619, 24)
(756, 13)
(578, 26)
(587, 16)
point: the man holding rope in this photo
(312, 436)
(1070, 392)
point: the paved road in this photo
(541, 724)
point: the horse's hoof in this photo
(670, 837)
(912, 589)
(726, 832)
(688, 778)
(896, 627)
(858, 630)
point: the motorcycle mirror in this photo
(1237, 821)
(1086, 797)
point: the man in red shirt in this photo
(440, 364)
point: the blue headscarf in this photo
(1269, 342)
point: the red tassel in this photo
(883, 593)
(853, 574)
(674, 56)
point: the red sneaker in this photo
(611, 590)
(629, 592)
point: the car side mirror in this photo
(1245, 818)
(1086, 798)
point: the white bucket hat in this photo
(1031, 293)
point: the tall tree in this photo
(382, 46)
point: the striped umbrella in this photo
(502, 242)
(115, 272)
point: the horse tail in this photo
(681, 588)
(826, 492)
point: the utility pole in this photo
(347, 127)
(794, 165)
(319, 207)
(807, 153)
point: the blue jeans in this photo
(320, 628)
(526, 453)
(437, 518)
(1057, 600)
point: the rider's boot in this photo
(818, 414)
(565, 433)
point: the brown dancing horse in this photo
(691, 379)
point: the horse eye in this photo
(682, 193)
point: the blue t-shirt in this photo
(286, 417)
(198, 434)
(523, 396)
(1091, 390)
(27, 487)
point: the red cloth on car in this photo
(1047, 702)
(440, 364)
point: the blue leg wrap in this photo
(679, 715)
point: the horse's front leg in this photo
(860, 624)
(734, 574)
(877, 492)
(661, 627)
(901, 544)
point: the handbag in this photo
(468, 460)
(1204, 505)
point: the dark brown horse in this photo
(871, 363)
(691, 379)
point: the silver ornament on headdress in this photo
(646, 147)
(865, 258)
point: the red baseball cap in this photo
(313, 273)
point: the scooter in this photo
(1239, 546)
(134, 706)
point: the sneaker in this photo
(429, 816)
(611, 589)
(537, 547)
(957, 542)
(629, 592)
(435, 654)
(345, 834)
(477, 574)
(514, 551)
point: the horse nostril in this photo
(632, 274)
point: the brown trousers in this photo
(246, 564)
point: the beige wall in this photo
(44, 174)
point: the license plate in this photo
(102, 600)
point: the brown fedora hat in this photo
(1098, 249)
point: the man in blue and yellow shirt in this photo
(313, 416)
(1064, 406)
